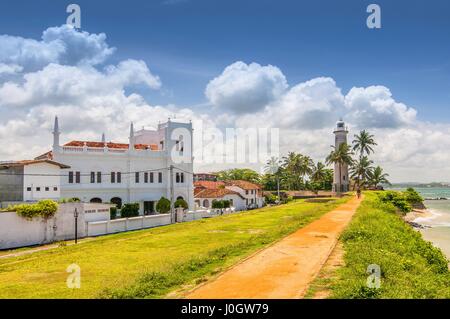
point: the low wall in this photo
(98, 228)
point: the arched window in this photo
(197, 203)
(117, 201)
(96, 200)
(231, 201)
(206, 203)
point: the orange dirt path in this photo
(285, 269)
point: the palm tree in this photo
(377, 177)
(340, 156)
(319, 174)
(363, 143)
(361, 171)
(273, 167)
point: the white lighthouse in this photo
(340, 180)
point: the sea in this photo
(437, 231)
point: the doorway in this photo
(149, 207)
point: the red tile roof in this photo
(214, 193)
(153, 147)
(243, 184)
(209, 184)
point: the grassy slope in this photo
(143, 263)
(410, 266)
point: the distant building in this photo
(137, 172)
(205, 177)
(340, 178)
(242, 194)
(31, 180)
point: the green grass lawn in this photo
(154, 262)
(410, 266)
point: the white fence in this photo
(93, 220)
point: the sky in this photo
(293, 65)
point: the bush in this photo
(130, 210)
(181, 203)
(397, 199)
(113, 212)
(270, 198)
(412, 196)
(217, 204)
(45, 208)
(163, 205)
(226, 203)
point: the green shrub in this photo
(163, 205)
(181, 203)
(412, 196)
(398, 199)
(226, 203)
(217, 204)
(113, 212)
(45, 208)
(130, 210)
(270, 198)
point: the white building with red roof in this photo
(242, 194)
(137, 172)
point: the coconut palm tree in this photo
(361, 171)
(341, 156)
(319, 174)
(377, 177)
(363, 143)
(273, 167)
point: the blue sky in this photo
(187, 43)
(296, 66)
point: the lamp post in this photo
(75, 214)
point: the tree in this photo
(181, 203)
(163, 205)
(361, 171)
(244, 174)
(320, 174)
(273, 167)
(377, 177)
(340, 156)
(363, 143)
(297, 167)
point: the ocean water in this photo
(439, 223)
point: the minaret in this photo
(131, 145)
(340, 180)
(56, 134)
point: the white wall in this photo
(35, 182)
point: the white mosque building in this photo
(153, 164)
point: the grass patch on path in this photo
(410, 266)
(153, 262)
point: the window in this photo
(113, 177)
(38, 189)
(47, 189)
(119, 177)
(145, 177)
(70, 177)
(151, 178)
(182, 177)
(55, 188)
(177, 177)
(246, 192)
(160, 177)
(136, 177)
(99, 177)
(344, 177)
(77, 177)
(92, 177)
(28, 189)
(206, 203)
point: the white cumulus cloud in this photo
(244, 88)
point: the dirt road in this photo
(285, 269)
